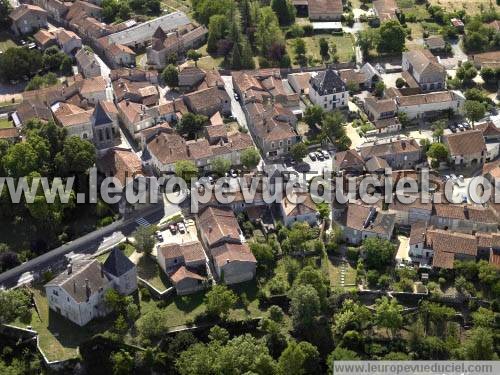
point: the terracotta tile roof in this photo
(292, 208)
(134, 112)
(122, 164)
(168, 148)
(453, 211)
(175, 106)
(495, 258)
(398, 146)
(488, 128)
(92, 85)
(9, 133)
(428, 98)
(386, 122)
(417, 204)
(232, 252)
(191, 251)
(386, 9)
(208, 100)
(452, 242)
(216, 119)
(442, 259)
(64, 36)
(423, 62)
(366, 218)
(24, 9)
(352, 76)
(83, 273)
(492, 168)
(435, 41)
(489, 59)
(325, 6)
(495, 24)
(267, 125)
(182, 273)
(71, 115)
(381, 105)
(466, 143)
(480, 214)
(109, 107)
(43, 36)
(417, 233)
(218, 224)
(118, 49)
(349, 159)
(484, 240)
(30, 109)
(376, 164)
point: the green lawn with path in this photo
(5, 124)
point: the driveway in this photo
(236, 109)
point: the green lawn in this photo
(5, 124)
(129, 249)
(207, 62)
(58, 337)
(182, 5)
(149, 270)
(410, 8)
(6, 41)
(183, 309)
(344, 43)
(334, 270)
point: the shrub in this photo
(122, 246)
(372, 278)
(352, 254)
(145, 294)
(400, 82)
(308, 29)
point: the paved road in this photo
(86, 245)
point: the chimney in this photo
(209, 229)
(69, 268)
(127, 102)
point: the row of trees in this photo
(389, 38)
(15, 63)
(117, 11)
(237, 31)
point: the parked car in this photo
(461, 178)
(319, 156)
(453, 128)
(460, 127)
(326, 154)
(236, 97)
(466, 125)
(173, 228)
(233, 173)
(159, 236)
(312, 155)
(182, 227)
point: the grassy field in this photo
(344, 43)
(470, 6)
(58, 337)
(182, 5)
(208, 62)
(129, 249)
(5, 124)
(149, 270)
(334, 267)
(6, 41)
(410, 8)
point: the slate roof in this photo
(82, 273)
(327, 81)
(117, 263)
(101, 117)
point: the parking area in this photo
(189, 234)
(315, 165)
